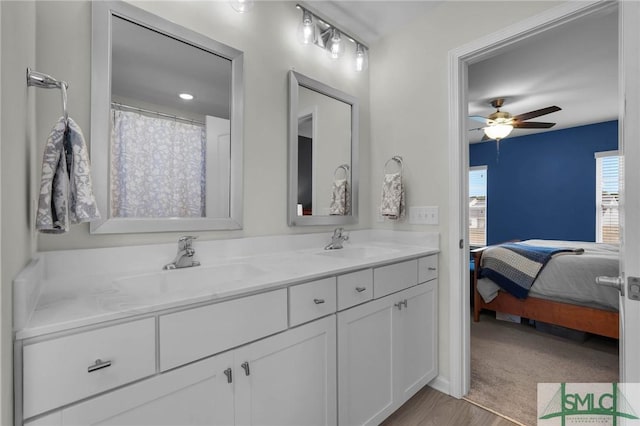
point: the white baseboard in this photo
(441, 383)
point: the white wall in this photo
(17, 49)
(267, 35)
(409, 112)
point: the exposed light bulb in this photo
(306, 29)
(241, 6)
(362, 60)
(336, 45)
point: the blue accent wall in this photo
(543, 185)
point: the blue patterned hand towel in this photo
(66, 193)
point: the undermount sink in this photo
(196, 277)
(358, 252)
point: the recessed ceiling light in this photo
(186, 96)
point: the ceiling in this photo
(574, 66)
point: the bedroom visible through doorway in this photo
(547, 187)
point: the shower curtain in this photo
(157, 167)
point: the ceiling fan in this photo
(500, 124)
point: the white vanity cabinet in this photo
(197, 394)
(69, 368)
(387, 348)
(279, 356)
(290, 378)
(286, 379)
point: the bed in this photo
(564, 292)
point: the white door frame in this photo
(459, 60)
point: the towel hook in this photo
(397, 159)
(45, 81)
(344, 167)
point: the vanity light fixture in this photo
(186, 96)
(307, 29)
(336, 45)
(241, 6)
(315, 29)
(362, 58)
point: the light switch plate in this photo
(423, 215)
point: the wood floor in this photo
(430, 407)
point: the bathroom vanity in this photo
(276, 330)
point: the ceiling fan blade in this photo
(533, 125)
(536, 113)
(479, 118)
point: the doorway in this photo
(459, 59)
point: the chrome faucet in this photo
(337, 239)
(184, 258)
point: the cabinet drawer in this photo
(355, 288)
(391, 278)
(59, 371)
(312, 300)
(197, 333)
(427, 268)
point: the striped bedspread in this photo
(514, 266)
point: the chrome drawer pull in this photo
(431, 268)
(98, 365)
(229, 375)
(245, 365)
(398, 305)
(318, 301)
(360, 289)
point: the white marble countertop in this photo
(64, 290)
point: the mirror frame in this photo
(102, 13)
(296, 80)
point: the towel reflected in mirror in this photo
(340, 198)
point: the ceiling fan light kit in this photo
(500, 124)
(498, 131)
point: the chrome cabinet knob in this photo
(318, 301)
(360, 289)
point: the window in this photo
(607, 197)
(478, 206)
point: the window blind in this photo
(607, 197)
(478, 206)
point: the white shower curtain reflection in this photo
(157, 167)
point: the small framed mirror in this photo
(166, 125)
(323, 154)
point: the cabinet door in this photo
(197, 394)
(290, 378)
(415, 356)
(365, 363)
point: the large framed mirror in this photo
(323, 154)
(166, 125)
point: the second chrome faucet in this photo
(337, 239)
(184, 257)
